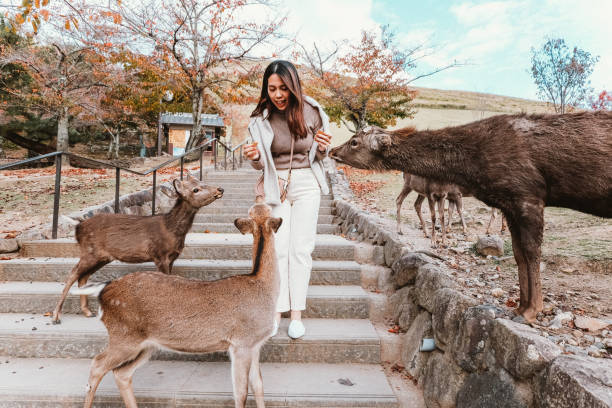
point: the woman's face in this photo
(278, 92)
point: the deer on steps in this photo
(136, 238)
(143, 311)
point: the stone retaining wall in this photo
(481, 360)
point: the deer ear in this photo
(274, 223)
(244, 225)
(178, 186)
(378, 140)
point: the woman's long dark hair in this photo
(295, 107)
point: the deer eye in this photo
(195, 190)
(354, 143)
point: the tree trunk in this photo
(62, 134)
(196, 129)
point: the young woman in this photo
(283, 113)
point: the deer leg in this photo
(451, 209)
(163, 265)
(255, 378)
(442, 222)
(398, 203)
(123, 377)
(517, 249)
(85, 267)
(459, 205)
(432, 209)
(241, 364)
(491, 220)
(417, 206)
(102, 364)
(530, 229)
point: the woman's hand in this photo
(250, 151)
(323, 139)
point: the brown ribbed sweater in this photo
(281, 144)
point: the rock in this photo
(385, 283)
(490, 245)
(429, 279)
(577, 334)
(520, 350)
(414, 360)
(406, 267)
(497, 292)
(494, 389)
(369, 276)
(560, 319)
(589, 323)
(576, 350)
(449, 307)
(393, 250)
(472, 343)
(8, 245)
(442, 381)
(594, 351)
(30, 235)
(397, 300)
(575, 382)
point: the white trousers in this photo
(295, 239)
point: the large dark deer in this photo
(144, 311)
(517, 163)
(104, 238)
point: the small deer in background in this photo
(426, 188)
(435, 193)
(104, 238)
(146, 310)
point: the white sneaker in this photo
(275, 329)
(296, 329)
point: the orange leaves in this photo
(395, 329)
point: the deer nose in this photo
(220, 190)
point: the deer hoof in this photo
(56, 320)
(88, 313)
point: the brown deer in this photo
(104, 238)
(546, 160)
(146, 310)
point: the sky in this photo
(493, 38)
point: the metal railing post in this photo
(56, 197)
(240, 155)
(182, 162)
(153, 196)
(201, 161)
(233, 160)
(215, 149)
(117, 181)
(224, 158)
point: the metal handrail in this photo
(58, 173)
(232, 150)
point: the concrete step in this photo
(250, 195)
(337, 302)
(243, 210)
(332, 341)
(203, 246)
(229, 218)
(250, 199)
(230, 227)
(52, 383)
(57, 270)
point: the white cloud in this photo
(475, 14)
(323, 21)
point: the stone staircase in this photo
(45, 365)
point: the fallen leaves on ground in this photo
(395, 329)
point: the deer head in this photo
(365, 149)
(259, 217)
(195, 192)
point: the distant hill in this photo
(435, 108)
